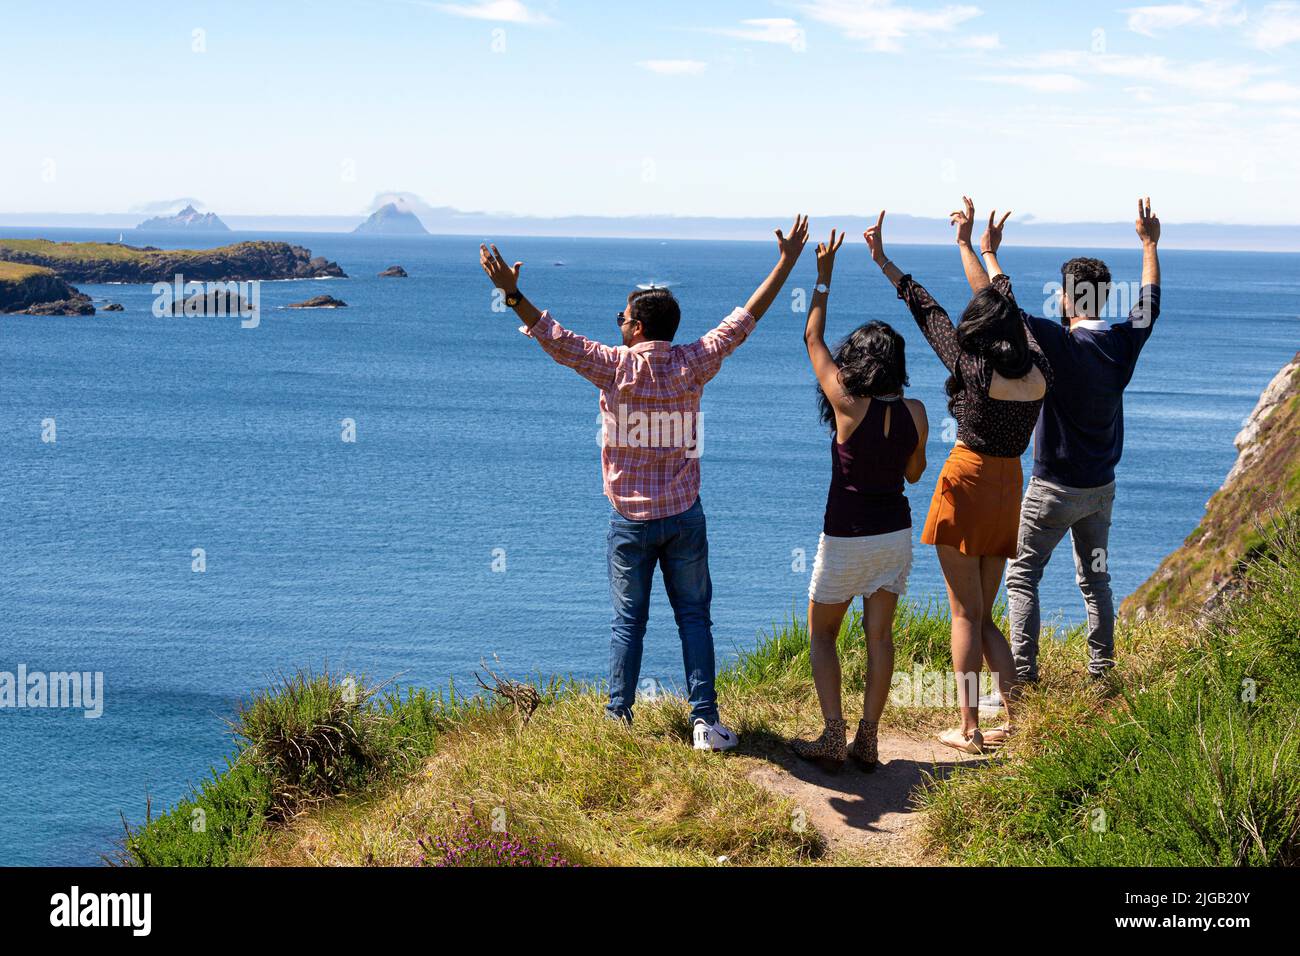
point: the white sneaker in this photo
(992, 700)
(713, 736)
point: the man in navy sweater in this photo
(1079, 437)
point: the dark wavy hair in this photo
(657, 311)
(1085, 280)
(872, 363)
(992, 331)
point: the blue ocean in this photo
(466, 520)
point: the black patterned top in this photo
(991, 426)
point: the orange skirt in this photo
(976, 504)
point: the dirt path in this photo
(868, 812)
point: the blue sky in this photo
(1063, 110)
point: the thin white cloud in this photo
(502, 11)
(674, 67)
(1039, 82)
(1278, 26)
(1159, 18)
(882, 24)
(780, 30)
(1206, 78)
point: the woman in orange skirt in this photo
(998, 378)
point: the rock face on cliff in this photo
(188, 219)
(1264, 481)
(108, 262)
(33, 290)
(391, 219)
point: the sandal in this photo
(864, 750)
(997, 736)
(827, 751)
(957, 739)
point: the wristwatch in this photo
(513, 298)
(822, 287)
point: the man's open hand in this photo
(791, 246)
(504, 277)
(1148, 226)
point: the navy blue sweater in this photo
(1080, 433)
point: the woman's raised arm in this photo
(814, 333)
(929, 315)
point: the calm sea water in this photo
(376, 556)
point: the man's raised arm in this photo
(594, 361)
(708, 352)
(1148, 230)
(506, 278)
(1147, 307)
(790, 248)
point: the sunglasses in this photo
(622, 318)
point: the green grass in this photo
(71, 251)
(1178, 769)
(74, 252)
(307, 739)
(1198, 764)
(17, 271)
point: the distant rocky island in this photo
(319, 302)
(393, 272)
(188, 219)
(216, 302)
(101, 262)
(392, 220)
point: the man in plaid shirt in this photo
(650, 409)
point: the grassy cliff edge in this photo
(1194, 761)
(1265, 480)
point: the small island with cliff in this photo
(36, 290)
(36, 273)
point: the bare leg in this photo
(997, 652)
(823, 631)
(961, 574)
(880, 653)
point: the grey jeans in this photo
(1046, 513)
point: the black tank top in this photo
(866, 495)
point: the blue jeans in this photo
(679, 544)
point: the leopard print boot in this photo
(827, 751)
(864, 749)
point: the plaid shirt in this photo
(650, 410)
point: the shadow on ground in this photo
(853, 809)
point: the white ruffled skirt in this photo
(848, 567)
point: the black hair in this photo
(872, 363)
(1085, 280)
(657, 311)
(992, 331)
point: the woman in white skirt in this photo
(877, 441)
